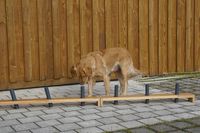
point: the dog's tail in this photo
(136, 74)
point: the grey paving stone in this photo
(107, 114)
(2, 112)
(45, 130)
(132, 124)
(89, 117)
(125, 111)
(122, 106)
(70, 114)
(178, 131)
(48, 123)
(168, 118)
(50, 116)
(142, 109)
(180, 124)
(17, 110)
(89, 130)
(111, 127)
(195, 112)
(69, 120)
(106, 109)
(12, 116)
(26, 126)
(8, 123)
(90, 123)
(178, 110)
(30, 119)
(53, 110)
(146, 114)
(67, 127)
(162, 112)
(150, 121)
(173, 105)
(194, 130)
(142, 130)
(184, 115)
(195, 121)
(33, 113)
(89, 111)
(37, 108)
(128, 117)
(162, 128)
(158, 107)
(27, 131)
(6, 130)
(109, 120)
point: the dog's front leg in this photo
(107, 85)
(90, 87)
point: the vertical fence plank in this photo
(189, 64)
(73, 33)
(143, 36)
(98, 24)
(45, 39)
(95, 12)
(15, 40)
(133, 30)
(115, 23)
(30, 40)
(3, 47)
(123, 36)
(108, 23)
(153, 37)
(181, 35)
(197, 35)
(172, 63)
(163, 36)
(86, 26)
(59, 38)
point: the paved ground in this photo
(72, 118)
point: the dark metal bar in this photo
(47, 92)
(116, 94)
(177, 91)
(82, 94)
(147, 92)
(14, 98)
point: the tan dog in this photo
(102, 64)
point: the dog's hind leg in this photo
(107, 85)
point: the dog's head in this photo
(82, 72)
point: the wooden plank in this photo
(172, 58)
(45, 39)
(153, 37)
(86, 26)
(115, 23)
(59, 38)
(181, 35)
(55, 100)
(73, 33)
(189, 65)
(15, 40)
(123, 27)
(197, 35)
(98, 25)
(108, 23)
(163, 36)
(30, 34)
(3, 47)
(143, 36)
(133, 31)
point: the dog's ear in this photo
(73, 71)
(87, 71)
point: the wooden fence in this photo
(41, 39)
